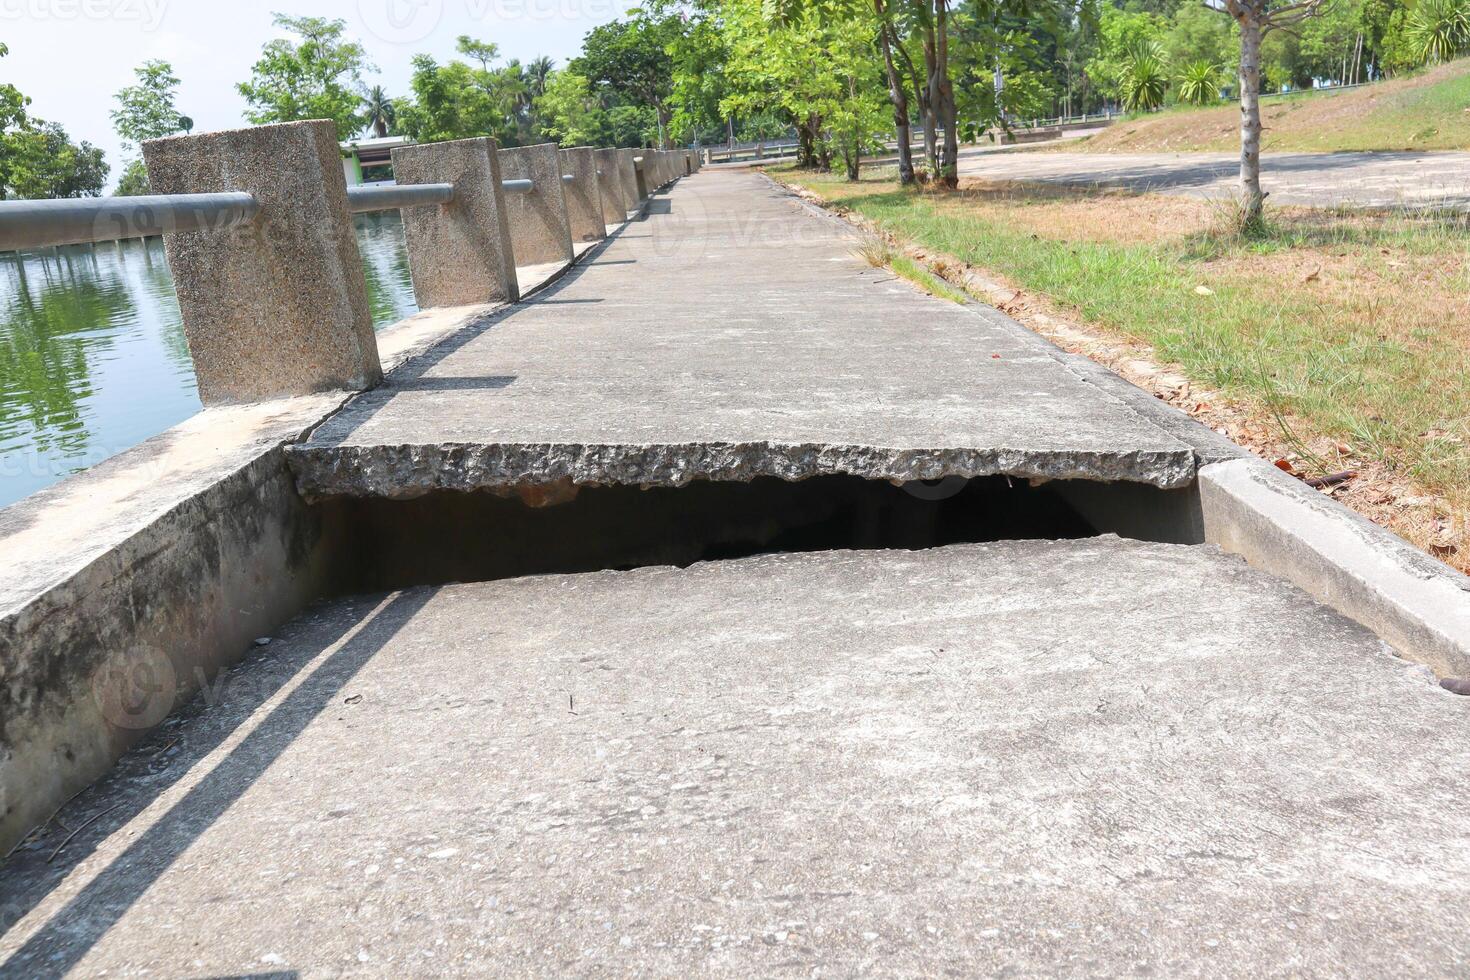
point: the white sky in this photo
(70, 56)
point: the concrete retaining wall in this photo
(137, 582)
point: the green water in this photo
(92, 354)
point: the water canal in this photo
(92, 353)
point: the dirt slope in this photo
(1430, 111)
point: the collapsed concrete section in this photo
(815, 363)
(1025, 756)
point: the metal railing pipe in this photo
(568, 178)
(519, 185)
(80, 221)
(365, 199)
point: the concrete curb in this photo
(1418, 605)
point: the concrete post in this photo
(643, 173)
(584, 198)
(611, 187)
(539, 230)
(278, 307)
(458, 253)
(629, 175)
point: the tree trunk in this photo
(1250, 118)
(939, 104)
(730, 132)
(931, 107)
(897, 96)
(921, 91)
(944, 100)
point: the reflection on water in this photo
(92, 354)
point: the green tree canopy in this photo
(147, 110)
(43, 162)
(630, 60)
(317, 77)
(569, 112)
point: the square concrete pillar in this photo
(643, 173)
(584, 197)
(611, 187)
(278, 307)
(629, 176)
(458, 253)
(539, 229)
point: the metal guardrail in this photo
(390, 197)
(82, 221)
(89, 220)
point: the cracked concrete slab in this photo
(1093, 757)
(726, 335)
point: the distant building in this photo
(370, 161)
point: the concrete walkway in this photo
(728, 335)
(1092, 756)
(1381, 179)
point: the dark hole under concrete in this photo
(470, 537)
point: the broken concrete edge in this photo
(1410, 599)
(406, 471)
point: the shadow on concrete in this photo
(66, 938)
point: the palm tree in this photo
(1438, 29)
(538, 73)
(380, 113)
